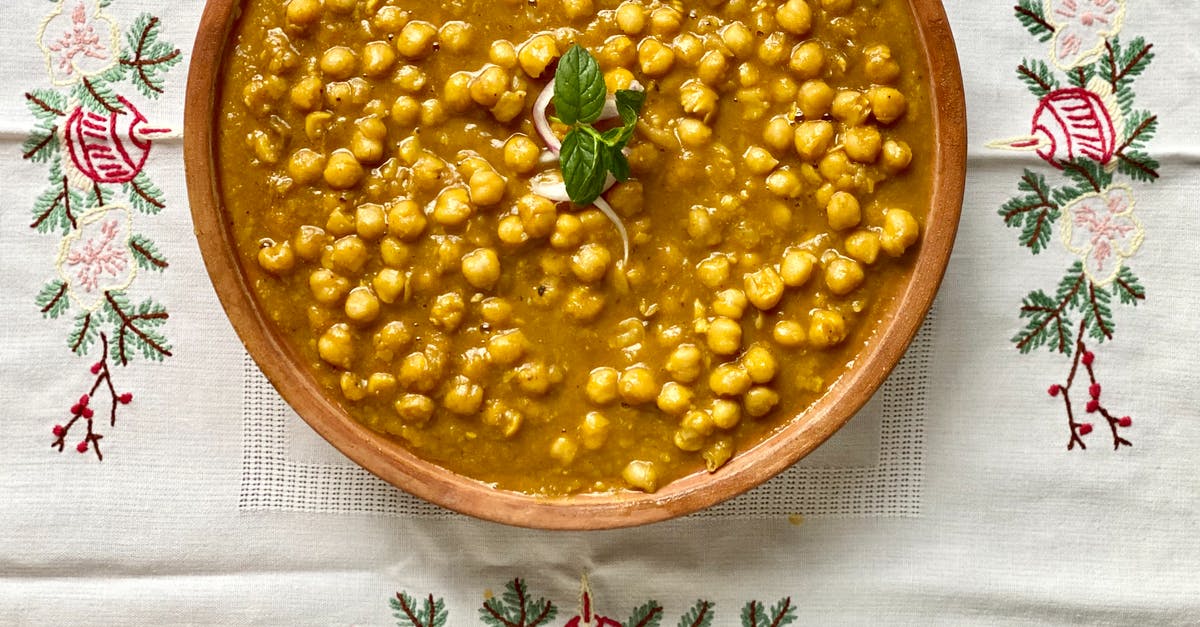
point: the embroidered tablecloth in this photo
(1032, 459)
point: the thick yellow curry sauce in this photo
(376, 160)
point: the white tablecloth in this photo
(963, 494)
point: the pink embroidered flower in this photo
(78, 40)
(95, 256)
(1081, 28)
(1101, 229)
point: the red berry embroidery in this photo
(1094, 390)
(82, 412)
(59, 430)
(1085, 428)
(1054, 389)
(125, 398)
(1093, 406)
(1125, 421)
(1088, 358)
(96, 367)
(82, 447)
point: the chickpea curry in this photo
(570, 246)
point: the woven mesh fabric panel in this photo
(275, 477)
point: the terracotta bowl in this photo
(398, 466)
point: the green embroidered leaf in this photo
(1097, 314)
(701, 615)
(41, 145)
(1034, 212)
(146, 254)
(95, 94)
(1088, 176)
(1142, 126)
(100, 195)
(83, 334)
(783, 613)
(649, 614)
(1031, 16)
(1121, 65)
(46, 105)
(144, 195)
(1138, 166)
(515, 608)
(1047, 325)
(136, 327)
(55, 209)
(409, 613)
(1081, 75)
(1070, 292)
(147, 58)
(1128, 288)
(1038, 77)
(53, 299)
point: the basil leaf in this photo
(584, 166)
(629, 105)
(579, 89)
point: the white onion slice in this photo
(612, 216)
(540, 121)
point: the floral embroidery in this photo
(78, 40)
(96, 144)
(1090, 132)
(516, 607)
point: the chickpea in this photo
(900, 231)
(837, 7)
(863, 246)
(405, 220)
(447, 311)
(654, 58)
(738, 39)
(759, 161)
(618, 51)
(564, 450)
(537, 215)
(278, 258)
(862, 143)
(826, 328)
(796, 267)
(389, 19)
(814, 98)
(693, 133)
(618, 78)
(896, 156)
(807, 60)
(305, 166)
(536, 54)
(712, 67)
(338, 63)
(593, 431)
(836, 168)
(336, 346)
(684, 363)
(698, 99)
(511, 231)
(713, 271)
(395, 336)
(636, 385)
(601, 386)
(388, 284)
(879, 66)
(627, 199)
(340, 223)
(503, 53)
(306, 93)
(507, 348)
(495, 311)
(724, 336)
(342, 170)
(366, 149)
(453, 207)
(730, 303)
(308, 242)
(362, 306)
(328, 288)
(353, 388)
(764, 288)
(303, 12)
(887, 103)
(812, 139)
(773, 50)
(590, 263)
(674, 399)
(729, 379)
(533, 377)
(464, 397)
(349, 254)
(481, 268)
(665, 21)
(850, 107)
(631, 17)
(416, 39)
(488, 85)
(456, 36)
(433, 113)
(688, 48)
(340, 6)
(486, 188)
(843, 211)
(406, 111)
(843, 275)
(414, 408)
(378, 57)
(760, 364)
(641, 475)
(778, 134)
(795, 17)
(788, 334)
(457, 91)
(724, 413)
(370, 221)
(759, 401)
(521, 154)
(417, 373)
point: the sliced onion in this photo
(550, 185)
(610, 102)
(540, 120)
(612, 216)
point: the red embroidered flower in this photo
(109, 148)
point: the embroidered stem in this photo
(1077, 429)
(1034, 17)
(45, 106)
(129, 323)
(83, 410)
(42, 144)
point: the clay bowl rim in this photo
(396, 465)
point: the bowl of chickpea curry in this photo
(575, 263)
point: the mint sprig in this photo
(588, 155)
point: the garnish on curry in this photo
(568, 246)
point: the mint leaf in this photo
(579, 89)
(629, 105)
(584, 166)
(618, 164)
